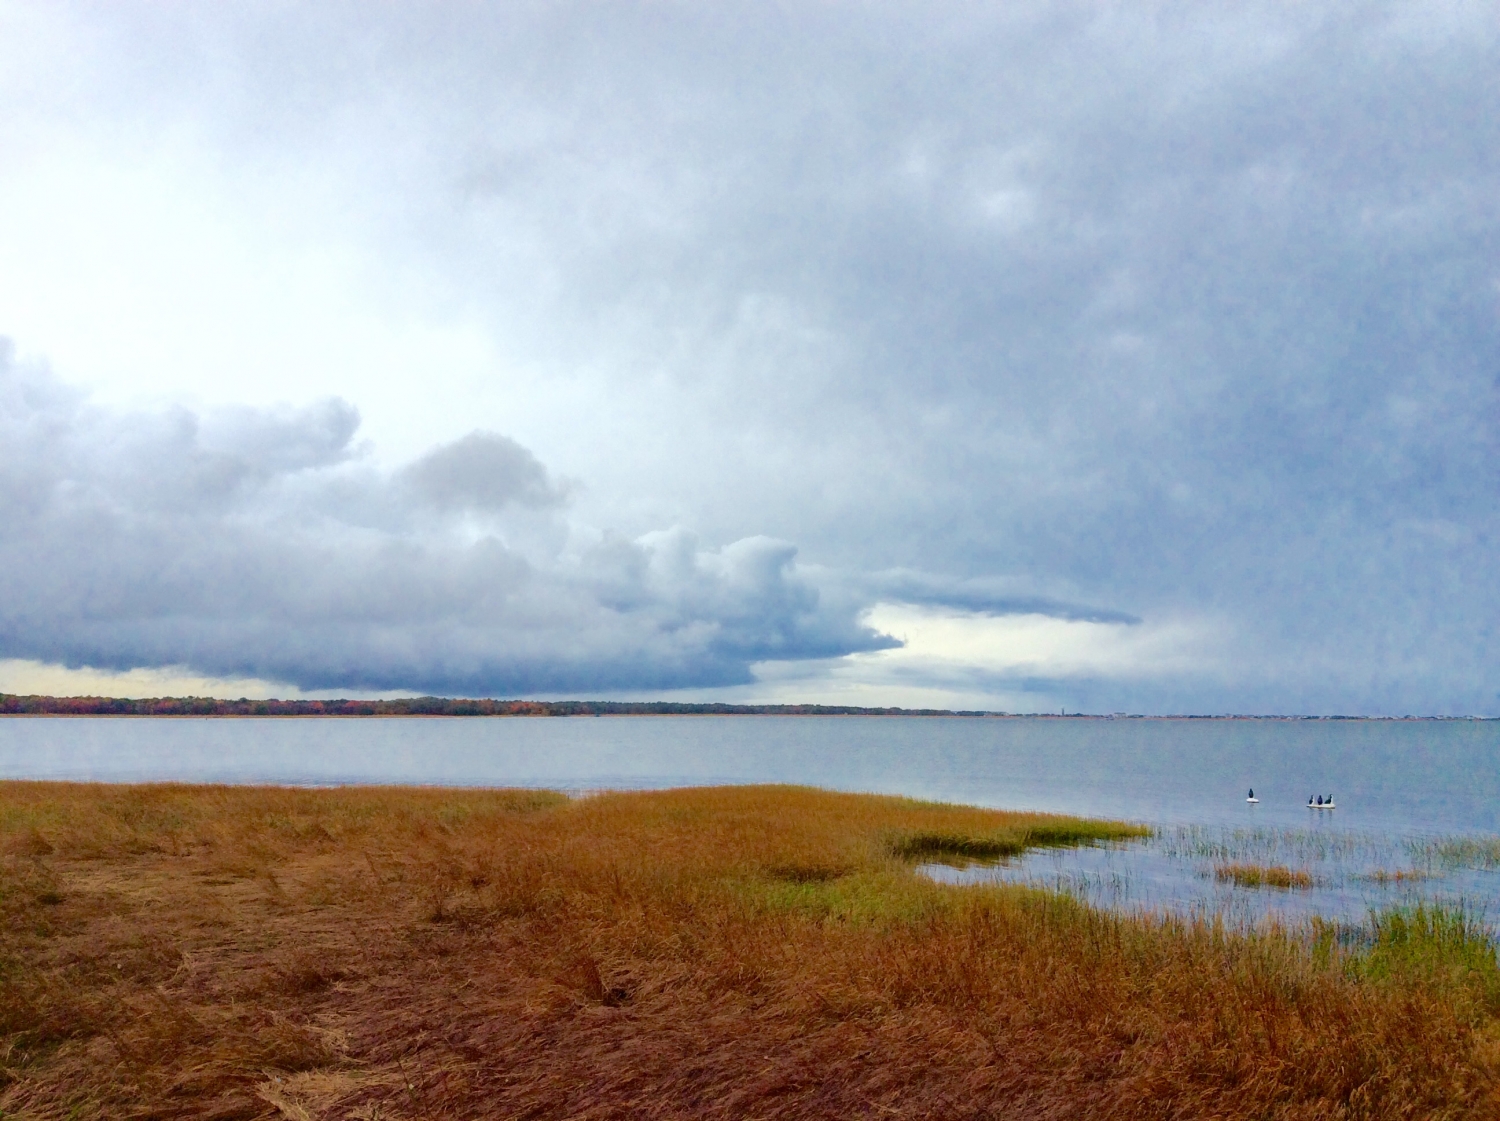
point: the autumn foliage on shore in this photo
(13, 704)
(173, 951)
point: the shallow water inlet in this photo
(1247, 876)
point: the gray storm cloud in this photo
(245, 542)
(483, 471)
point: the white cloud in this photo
(945, 644)
(28, 677)
(952, 658)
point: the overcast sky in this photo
(1038, 356)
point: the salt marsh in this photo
(1177, 870)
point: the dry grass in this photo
(738, 952)
(1264, 875)
(1385, 877)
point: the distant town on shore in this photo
(16, 705)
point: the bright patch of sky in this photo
(30, 678)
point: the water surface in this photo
(1352, 873)
(1400, 785)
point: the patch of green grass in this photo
(936, 845)
(882, 898)
(1061, 833)
(1440, 946)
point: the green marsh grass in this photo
(1012, 841)
(1447, 948)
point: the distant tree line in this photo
(13, 705)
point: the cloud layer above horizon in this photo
(1116, 357)
(247, 543)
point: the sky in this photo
(1029, 356)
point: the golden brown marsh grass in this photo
(1264, 875)
(1384, 876)
(368, 953)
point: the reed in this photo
(1460, 852)
(170, 951)
(1264, 875)
(1386, 876)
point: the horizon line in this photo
(12, 704)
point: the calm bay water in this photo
(1400, 786)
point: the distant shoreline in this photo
(16, 705)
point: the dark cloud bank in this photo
(254, 543)
(1185, 312)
